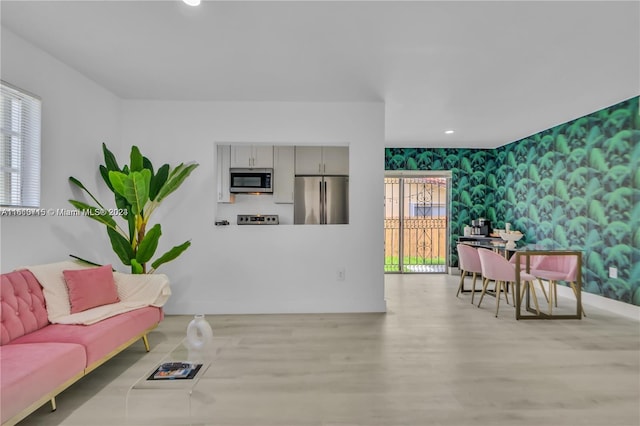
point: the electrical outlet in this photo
(341, 274)
(613, 272)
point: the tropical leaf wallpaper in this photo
(576, 185)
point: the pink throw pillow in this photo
(91, 287)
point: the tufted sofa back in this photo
(22, 305)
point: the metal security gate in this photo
(416, 223)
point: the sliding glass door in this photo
(416, 223)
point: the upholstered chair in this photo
(496, 268)
(554, 269)
(469, 264)
(533, 263)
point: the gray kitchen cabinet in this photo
(252, 156)
(284, 175)
(336, 160)
(322, 160)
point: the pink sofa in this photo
(38, 360)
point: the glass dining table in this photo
(523, 257)
(523, 254)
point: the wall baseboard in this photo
(626, 310)
(620, 308)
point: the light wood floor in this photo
(433, 359)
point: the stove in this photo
(258, 219)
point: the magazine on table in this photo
(175, 370)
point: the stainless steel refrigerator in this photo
(321, 200)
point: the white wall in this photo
(77, 116)
(228, 269)
(252, 269)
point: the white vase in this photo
(199, 339)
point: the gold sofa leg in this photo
(54, 407)
(146, 342)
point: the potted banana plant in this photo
(138, 190)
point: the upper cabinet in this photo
(252, 156)
(322, 160)
(336, 160)
(283, 184)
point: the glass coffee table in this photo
(173, 401)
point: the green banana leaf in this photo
(104, 172)
(136, 268)
(109, 159)
(136, 163)
(146, 164)
(80, 185)
(88, 262)
(134, 187)
(171, 254)
(101, 215)
(131, 222)
(123, 205)
(157, 181)
(121, 246)
(147, 247)
(175, 179)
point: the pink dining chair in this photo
(469, 264)
(533, 262)
(554, 269)
(496, 268)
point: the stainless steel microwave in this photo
(251, 180)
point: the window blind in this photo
(20, 123)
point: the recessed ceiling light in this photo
(192, 2)
(449, 132)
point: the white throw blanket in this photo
(134, 290)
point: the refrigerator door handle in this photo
(324, 203)
(322, 219)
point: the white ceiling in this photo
(493, 71)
